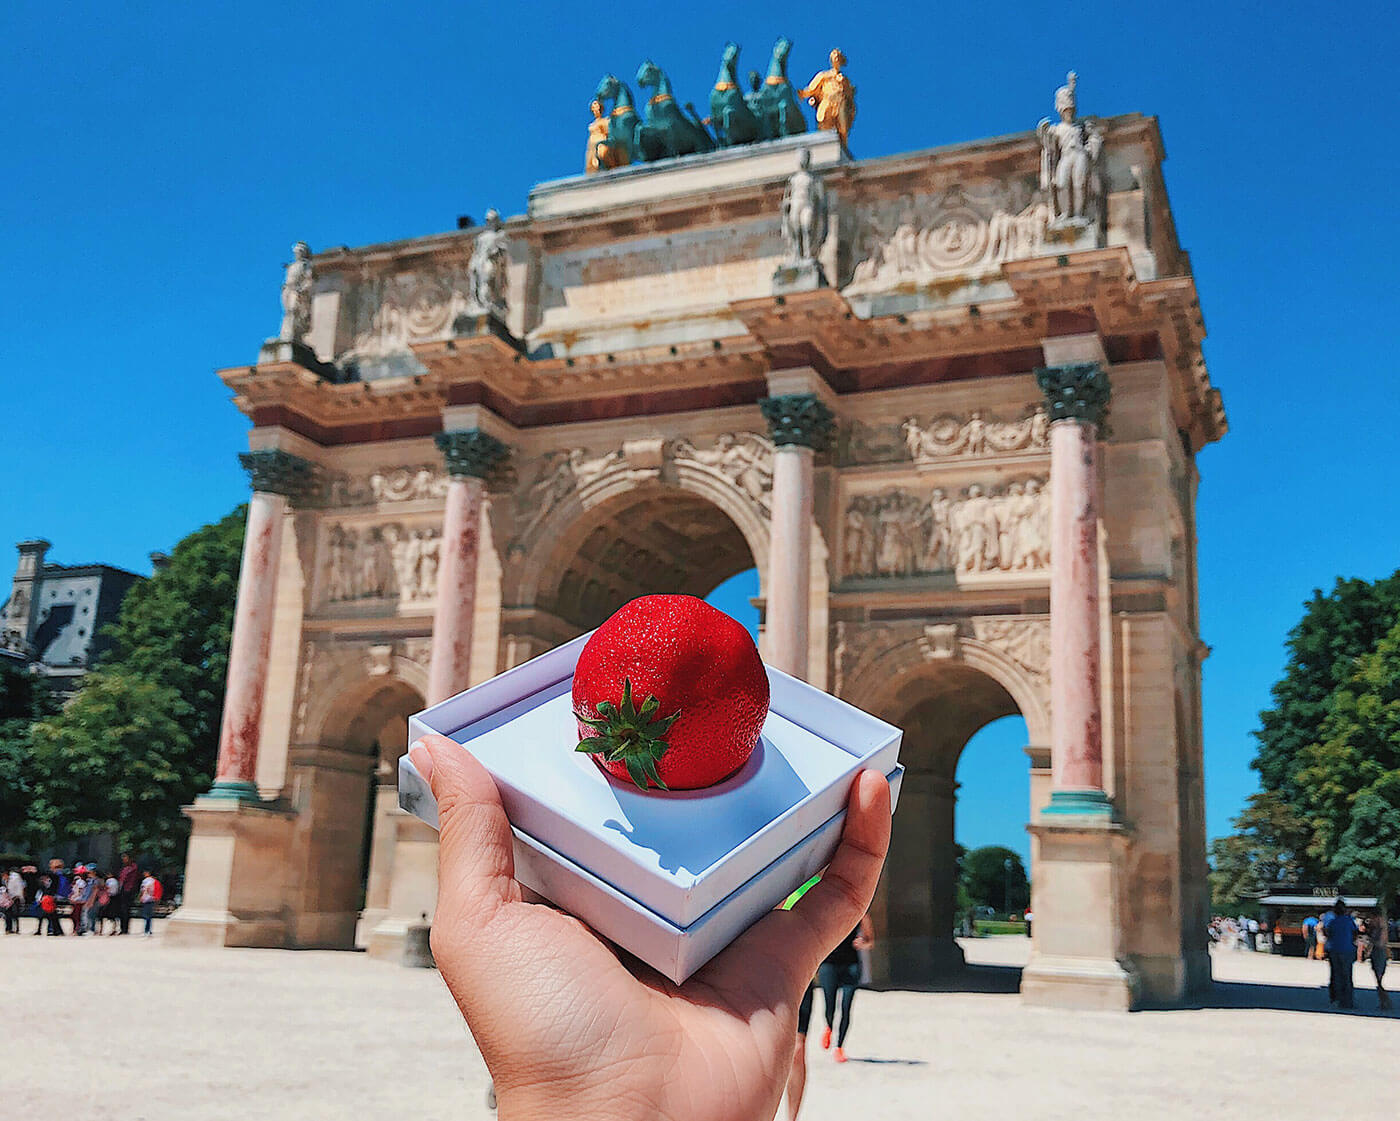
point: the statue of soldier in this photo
(296, 295)
(804, 213)
(487, 268)
(1070, 150)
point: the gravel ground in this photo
(159, 1033)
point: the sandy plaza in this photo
(336, 1035)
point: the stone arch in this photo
(344, 784)
(941, 687)
(567, 523)
(880, 673)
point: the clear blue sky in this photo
(161, 159)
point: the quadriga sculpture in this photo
(620, 147)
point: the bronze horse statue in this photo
(730, 116)
(667, 131)
(623, 122)
(779, 114)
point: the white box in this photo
(672, 877)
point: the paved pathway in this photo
(136, 1031)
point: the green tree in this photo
(24, 699)
(995, 877)
(1359, 744)
(1334, 631)
(174, 629)
(119, 759)
(1369, 853)
(1268, 847)
(141, 736)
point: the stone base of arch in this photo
(235, 876)
(1078, 959)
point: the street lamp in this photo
(1006, 886)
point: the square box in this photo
(688, 865)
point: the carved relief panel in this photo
(380, 561)
(943, 437)
(978, 529)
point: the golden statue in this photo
(834, 96)
(601, 156)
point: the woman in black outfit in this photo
(841, 971)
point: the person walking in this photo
(113, 910)
(128, 882)
(840, 972)
(78, 894)
(99, 904)
(1379, 930)
(1340, 931)
(1309, 937)
(150, 892)
(7, 904)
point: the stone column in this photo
(800, 425)
(1077, 397)
(275, 475)
(471, 456)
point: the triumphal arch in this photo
(947, 403)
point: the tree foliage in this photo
(1268, 847)
(1334, 631)
(140, 738)
(24, 699)
(995, 877)
(1368, 855)
(119, 759)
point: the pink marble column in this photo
(275, 475)
(1077, 398)
(790, 560)
(800, 424)
(471, 456)
(450, 669)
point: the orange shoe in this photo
(840, 1054)
(826, 1039)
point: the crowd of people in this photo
(1335, 936)
(92, 900)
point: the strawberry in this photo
(670, 692)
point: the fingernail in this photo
(421, 760)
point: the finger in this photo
(802, 937)
(476, 860)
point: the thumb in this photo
(476, 862)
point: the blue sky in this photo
(161, 159)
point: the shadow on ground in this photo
(1283, 998)
(994, 979)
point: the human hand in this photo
(571, 1027)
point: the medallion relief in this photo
(967, 228)
(386, 484)
(982, 529)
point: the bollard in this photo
(417, 953)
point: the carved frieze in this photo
(389, 561)
(388, 311)
(1024, 639)
(968, 228)
(416, 482)
(330, 665)
(943, 437)
(743, 459)
(983, 529)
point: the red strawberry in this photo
(670, 692)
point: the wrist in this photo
(562, 1102)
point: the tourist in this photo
(1309, 936)
(7, 904)
(100, 902)
(567, 1030)
(1380, 955)
(78, 894)
(128, 879)
(1030, 918)
(840, 971)
(1340, 931)
(46, 906)
(150, 892)
(113, 911)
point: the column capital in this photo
(798, 419)
(471, 452)
(1075, 391)
(274, 471)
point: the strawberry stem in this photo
(629, 735)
